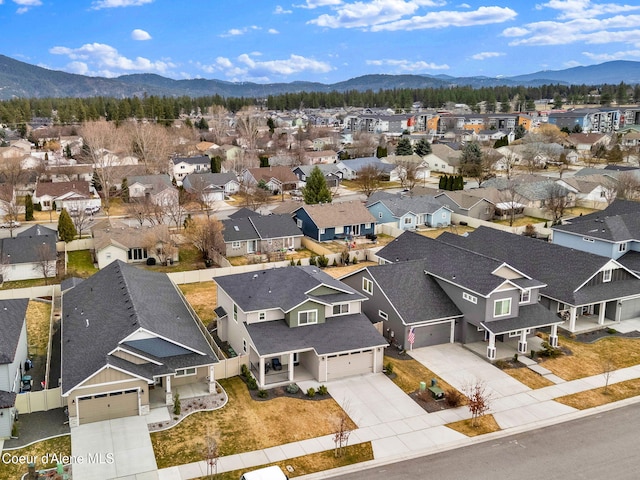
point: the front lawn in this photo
(61, 446)
(589, 359)
(407, 374)
(245, 425)
(528, 377)
(597, 396)
(484, 424)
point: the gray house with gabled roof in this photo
(589, 291)
(408, 212)
(496, 299)
(13, 353)
(311, 324)
(263, 234)
(129, 340)
(31, 254)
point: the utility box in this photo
(437, 393)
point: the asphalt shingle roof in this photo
(529, 316)
(327, 215)
(7, 399)
(27, 249)
(12, 315)
(117, 301)
(399, 205)
(619, 222)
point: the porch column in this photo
(212, 379)
(572, 319)
(522, 344)
(452, 333)
(491, 349)
(601, 311)
(291, 367)
(167, 390)
(553, 336)
(261, 372)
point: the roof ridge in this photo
(127, 292)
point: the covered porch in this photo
(586, 318)
(505, 349)
(280, 370)
(162, 392)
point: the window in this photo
(341, 309)
(185, 372)
(307, 317)
(244, 345)
(235, 244)
(525, 296)
(379, 214)
(383, 315)
(367, 225)
(502, 307)
(606, 276)
(367, 286)
(407, 220)
(622, 247)
(587, 239)
(235, 312)
(262, 315)
(444, 214)
(299, 223)
(322, 231)
(469, 298)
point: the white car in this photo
(10, 224)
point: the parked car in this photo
(10, 224)
(92, 209)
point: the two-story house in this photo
(157, 189)
(311, 324)
(183, 166)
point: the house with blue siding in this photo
(408, 213)
(335, 221)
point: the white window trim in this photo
(307, 312)
(525, 296)
(622, 247)
(367, 285)
(235, 312)
(262, 315)
(587, 239)
(341, 312)
(383, 315)
(236, 244)
(299, 223)
(469, 298)
(183, 372)
(501, 300)
(606, 275)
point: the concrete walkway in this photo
(389, 419)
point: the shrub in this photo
(312, 261)
(311, 392)
(501, 364)
(293, 388)
(549, 351)
(515, 357)
(323, 390)
(252, 384)
(533, 354)
(299, 262)
(611, 331)
(355, 260)
(292, 262)
(176, 404)
(37, 207)
(389, 368)
(244, 370)
(335, 262)
(453, 398)
(322, 261)
(263, 393)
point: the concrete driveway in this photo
(113, 449)
(460, 367)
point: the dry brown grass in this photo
(409, 373)
(38, 320)
(244, 425)
(47, 216)
(484, 424)
(528, 377)
(597, 396)
(316, 462)
(587, 358)
(436, 232)
(59, 445)
(576, 211)
(337, 272)
(203, 297)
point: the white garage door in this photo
(349, 364)
(630, 309)
(107, 406)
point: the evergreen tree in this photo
(404, 147)
(442, 184)
(95, 182)
(67, 151)
(28, 208)
(460, 185)
(381, 152)
(501, 142)
(316, 190)
(124, 190)
(216, 164)
(450, 181)
(423, 147)
(66, 228)
(264, 161)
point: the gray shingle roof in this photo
(7, 399)
(12, 315)
(37, 230)
(26, 249)
(117, 301)
(416, 296)
(192, 160)
(562, 269)
(282, 288)
(529, 316)
(271, 338)
(400, 205)
(631, 260)
(238, 229)
(620, 222)
(218, 180)
(275, 226)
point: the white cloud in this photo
(247, 67)
(485, 55)
(620, 28)
(281, 11)
(319, 3)
(104, 60)
(366, 14)
(26, 5)
(572, 9)
(80, 68)
(403, 66)
(445, 19)
(273, 31)
(100, 4)
(607, 57)
(234, 32)
(138, 34)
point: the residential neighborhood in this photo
(358, 269)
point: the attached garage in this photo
(630, 309)
(348, 364)
(428, 335)
(107, 406)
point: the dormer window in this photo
(525, 296)
(606, 275)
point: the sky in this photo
(324, 41)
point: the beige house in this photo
(129, 342)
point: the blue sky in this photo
(316, 40)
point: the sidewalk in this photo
(419, 434)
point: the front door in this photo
(355, 230)
(251, 246)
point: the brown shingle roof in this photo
(281, 173)
(55, 189)
(326, 215)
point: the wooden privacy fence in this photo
(39, 401)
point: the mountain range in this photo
(20, 79)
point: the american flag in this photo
(412, 336)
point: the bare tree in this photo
(369, 179)
(100, 139)
(509, 160)
(247, 122)
(176, 210)
(407, 172)
(211, 454)
(151, 144)
(342, 431)
(513, 201)
(80, 216)
(364, 144)
(12, 212)
(253, 196)
(628, 186)
(201, 192)
(45, 261)
(11, 171)
(478, 400)
(158, 240)
(607, 365)
(532, 155)
(218, 122)
(143, 209)
(557, 201)
(206, 236)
